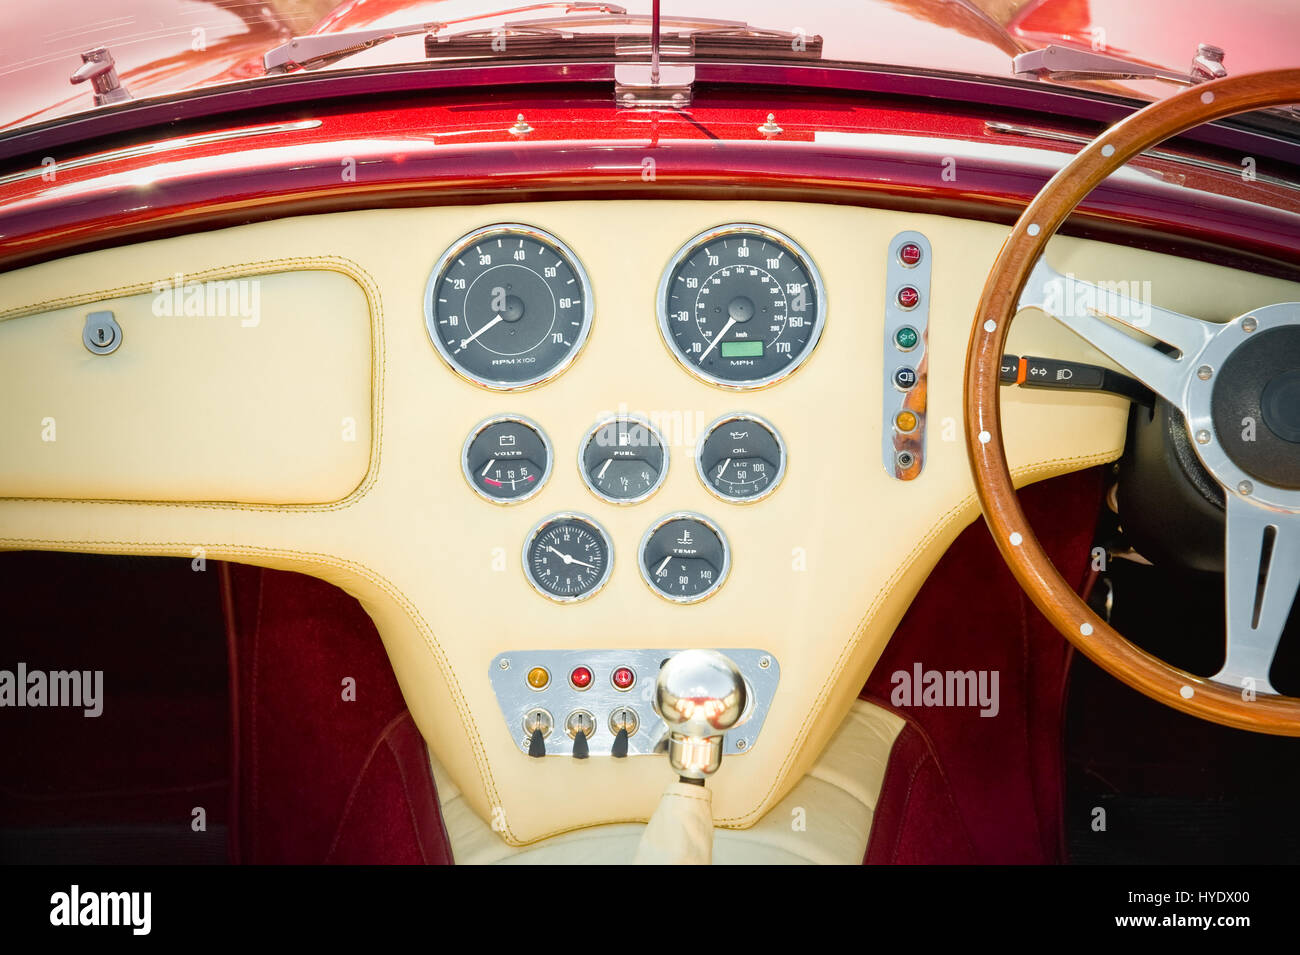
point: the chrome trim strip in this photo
(1039, 132)
(166, 145)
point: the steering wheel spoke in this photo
(1263, 573)
(1103, 317)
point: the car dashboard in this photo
(533, 535)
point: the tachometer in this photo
(741, 306)
(508, 307)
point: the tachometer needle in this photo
(717, 338)
(659, 571)
(466, 341)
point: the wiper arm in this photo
(317, 50)
(1066, 63)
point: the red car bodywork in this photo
(338, 139)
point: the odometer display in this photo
(508, 307)
(568, 557)
(741, 306)
(684, 557)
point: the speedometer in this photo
(741, 306)
(508, 307)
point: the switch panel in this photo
(561, 691)
(904, 373)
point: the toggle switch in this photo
(580, 725)
(538, 725)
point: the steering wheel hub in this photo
(1255, 405)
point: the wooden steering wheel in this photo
(1212, 373)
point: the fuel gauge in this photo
(623, 459)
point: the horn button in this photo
(1256, 406)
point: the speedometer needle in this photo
(567, 559)
(466, 341)
(717, 338)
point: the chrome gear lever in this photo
(700, 694)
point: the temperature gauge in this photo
(684, 557)
(741, 458)
(506, 459)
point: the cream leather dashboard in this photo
(821, 571)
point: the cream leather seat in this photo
(826, 819)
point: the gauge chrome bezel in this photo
(557, 518)
(780, 446)
(604, 423)
(723, 574)
(483, 426)
(719, 232)
(491, 231)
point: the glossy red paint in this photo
(879, 151)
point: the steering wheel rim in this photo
(999, 302)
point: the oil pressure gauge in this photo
(740, 458)
(684, 557)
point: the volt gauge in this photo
(506, 459)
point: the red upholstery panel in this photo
(1005, 770)
(917, 821)
(331, 766)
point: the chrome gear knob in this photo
(700, 694)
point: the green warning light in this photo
(741, 349)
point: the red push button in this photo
(908, 297)
(580, 678)
(909, 253)
(623, 678)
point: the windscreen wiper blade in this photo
(317, 50)
(696, 38)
